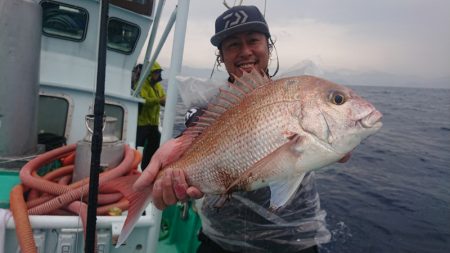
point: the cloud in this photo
(396, 36)
(354, 47)
(198, 52)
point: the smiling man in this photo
(245, 223)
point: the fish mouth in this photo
(373, 120)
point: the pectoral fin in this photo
(275, 167)
(282, 191)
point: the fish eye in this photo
(337, 98)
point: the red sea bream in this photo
(261, 132)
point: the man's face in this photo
(245, 51)
(155, 74)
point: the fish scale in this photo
(238, 139)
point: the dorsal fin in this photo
(252, 80)
(227, 98)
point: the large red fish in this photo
(261, 132)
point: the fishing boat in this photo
(50, 71)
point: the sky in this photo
(403, 37)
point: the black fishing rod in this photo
(97, 135)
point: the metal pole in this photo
(175, 69)
(155, 25)
(172, 93)
(146, 70)
(169, 26)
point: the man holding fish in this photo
(274, 205)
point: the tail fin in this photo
(138, 201)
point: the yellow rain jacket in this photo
(149, 114)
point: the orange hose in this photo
(137, 160)
(69, 196)
(54, 195)
(23, 227)
(70, 159)
(48, 177)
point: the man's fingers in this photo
(168, 194)
(179, 185)
(157, 195)
(193, 192)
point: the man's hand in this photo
(162, 101)
(171, 188)
(170, 185)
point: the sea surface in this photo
(394, 193)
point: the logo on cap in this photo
(239, 19)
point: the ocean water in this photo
(394, 193)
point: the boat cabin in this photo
(68, 64)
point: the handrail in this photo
(147, 65)
(172, 93)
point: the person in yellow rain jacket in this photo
(148, 134)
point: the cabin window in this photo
(53, 115)
(144, 7)
(64, 21)
(116, 111)
(122, 35)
